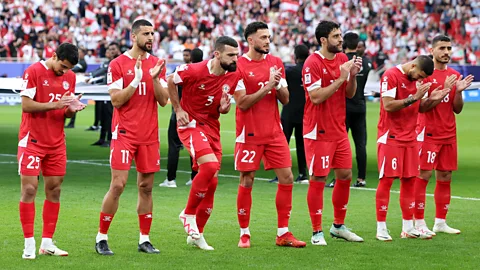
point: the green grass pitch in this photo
(88, 179)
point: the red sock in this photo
(283, 201)
(244, 205)
(27, 218)
(315, 203)
(340, 195)
(407, 197)
(205, 208)
(145, 222)
(50, 217)
(105, 221)
(442, 198)
(200, 184)
(382, 197)
(420, 191)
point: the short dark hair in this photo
(114, 44)
(67, 51)
(301, 52)
(440, 38)
(253, 27)
(350, 40)
(196, 55)
(187, 50)
(138, 23)
(324, 28)
(224, 40)
(425, 64)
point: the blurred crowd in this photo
(394, 31)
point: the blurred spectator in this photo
(81, 66)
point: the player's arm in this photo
(319, 94)
(282, 88)
(172, 81)
(390, 104)
(160, 87)
(436, 96)
(244, 101)
(118, 94)
(352, 84)
(460, 86)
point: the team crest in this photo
(129, 72)
(66, 85)
(202, 87)
(226, 88)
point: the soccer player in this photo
(439, 148)
(47, 99)
(135, 82)
(259, 132)
(205, 95)
(397, 148)
(328, 78)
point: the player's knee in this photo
(444, 175)
(344, 174)
(145, 188)
(286, 179)
(208, 169)
(28, 192)
(52, 193)
(116, 189)
(246, 179)
(425, 175)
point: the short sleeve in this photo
(114, 76)
(311, 76)
(29, 84)
(388, 85)
(182, 74)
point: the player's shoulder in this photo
(453, 71)
(273, 59)
(392, 72)
(311, 60)
(342, 57)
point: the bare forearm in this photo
(161, 94)
(319, 95)
(283, 95)
(31, 106)
(392, 105)
(458, 103)
(246, 101)
(120, 97)
(351, 87)
(173, 93)
(428, 104)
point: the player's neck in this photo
(134, 52)
(254, 55)
(48, 63)
(439, 66)
(326, 53)
(217, 69)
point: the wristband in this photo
(135, 83)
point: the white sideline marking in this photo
(91, 162)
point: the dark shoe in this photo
(103, 249)
(92, 128)
(274, 180)
(105, 144)
(99, 142)
(360, 183)
(70, 126)
(147, 248)
(332, 184)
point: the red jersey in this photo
(260, 124)
(440, 125)
(397, 128)
(137, 119)
(202, 91)
(42, 85)
(325, 121)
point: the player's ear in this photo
(54, 56)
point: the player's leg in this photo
(359, 134)
(174, 145)
(53, 167)
(410, 165)
(247, 161)
(427, 160)
(28, 169)
(147, 160)
(301, 162)
(342, 164)
(121, 155)
(447, 162)
(389, 169)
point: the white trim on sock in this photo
(144, 238)
(46, 242)
(420, 222)
(244, 231)
(282, 231)
(407, 225)
(381, 225)
(440, 221)
(100, 237)
(29, 241)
